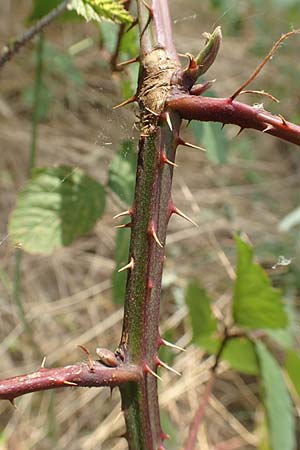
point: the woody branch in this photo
(228, 111)
(186, 98)
(77, 375)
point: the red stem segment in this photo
(163, 26)
(73, 375)
(199, 415)
(228, 111)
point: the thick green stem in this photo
(150, 214)
(140, 339)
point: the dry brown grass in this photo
(67, 296)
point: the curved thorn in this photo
(168, 120)
(12, 402)
(153, 234)
(164, 436)
(151, 372)
(165, 160)
(198, 89)
(70, 383)
(126, 102)
(187, 144)
(192, 64)
(169, 344)
(124, 225)
(155, 237)
(130, 265)
(240, 131)
(181, 214)
(283, 120)
(128, 212)
(268, 128)
(90, 359)
(43, 363)
(171, 163)
(159, 362)
(129, 61)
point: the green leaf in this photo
(277, 401)
(98, 10)
(238, 352)
(285, 337)
(241, 355)
(256, 304)
(292, 366)
(55, 207)
(121, 258)
(204, 324)
(121, 176)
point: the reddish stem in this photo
(73, 375)
(200, 413)
(163, 25)
(115, 55)
(228, 111)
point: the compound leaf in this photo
(98, 10)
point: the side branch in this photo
(228, 111)
(74, 375)
(11, 49)
(201, 410)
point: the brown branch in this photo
(11, 49)
(122, 28)
(145, 35)
(78, 375)
(228, 111)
